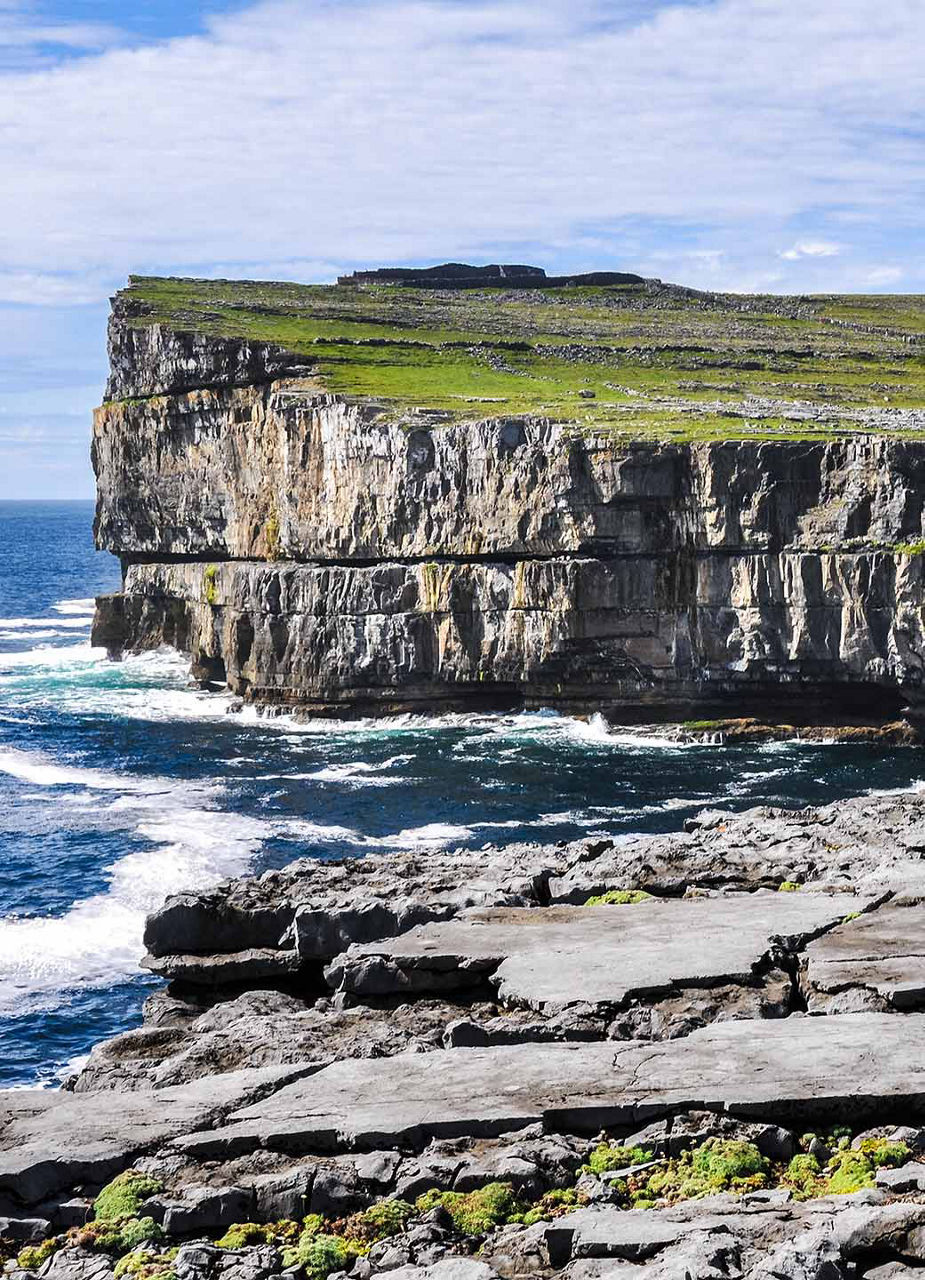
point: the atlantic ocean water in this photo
(119, 784)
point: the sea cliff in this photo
(608, 533)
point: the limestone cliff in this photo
(340, 551)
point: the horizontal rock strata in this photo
(315, 551)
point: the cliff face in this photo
(314, 550)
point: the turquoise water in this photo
(120, 784)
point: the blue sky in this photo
(735, 144)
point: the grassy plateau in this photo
(648, 361)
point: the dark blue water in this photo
(119, 784)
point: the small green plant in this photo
(240, 1234)
(553, 1205)
(209, 583)
(284, 1232)
(619, 898)
(380, 1221)
(320, 1255)
(124, 1196)
(608, 1157)
(36, 1255)
(719, 1164)
(804, 1175)
(145, 1264)
(789, 886)
(475, 1212)
(910, 548)
(137, 1231)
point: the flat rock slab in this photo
(556, 956)
(882, 953)
(794, 1066)
(52, 1140)
(820, 1230)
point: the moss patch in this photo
(619, 898)
(475, 1212)
(124, 1196)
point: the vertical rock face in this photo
(313, 552)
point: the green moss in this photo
(319, 1255)
(910, 548)
(36, 1255)
(804, 1175)
(553, 1205)
(719, 1164)
(789, 886)
(209, 583)
(380, 1221)
(137, 1231)
(240, 1234)
(619, 898)
(283, 1232)
(124, 1196)
(475, 1212)
(607, 1157)
(145, 1264)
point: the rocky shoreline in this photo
(690, 1055)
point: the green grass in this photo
(661, 365)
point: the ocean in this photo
(119, 784)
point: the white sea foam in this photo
(49, 773)
(45, 656)
(61, 625)
(45, 634)
(83, 605)
(357, 773)
(190, 844)
(433, 835)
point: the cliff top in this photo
(637, 357)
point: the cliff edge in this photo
(629, 497)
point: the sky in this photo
(754, 145)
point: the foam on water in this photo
(97, 941)
(84, 606)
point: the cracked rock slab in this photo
(558, 956)
(772, 1240)
(790, 1066)
(59, 1139)
(882, 954)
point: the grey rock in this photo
(24, 1229)
(745, 1068)
(73, 1138)
(882, 954)
(560, 956)
(910, 1177)
(446, 1269)
(206, 1209)
(283, 1195)
(254, 965)
(78, 1264)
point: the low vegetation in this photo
(316, 1247)
(628, 362)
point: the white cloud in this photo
(304, 132)
(877, 277)
(812, 249)
(27, 39)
